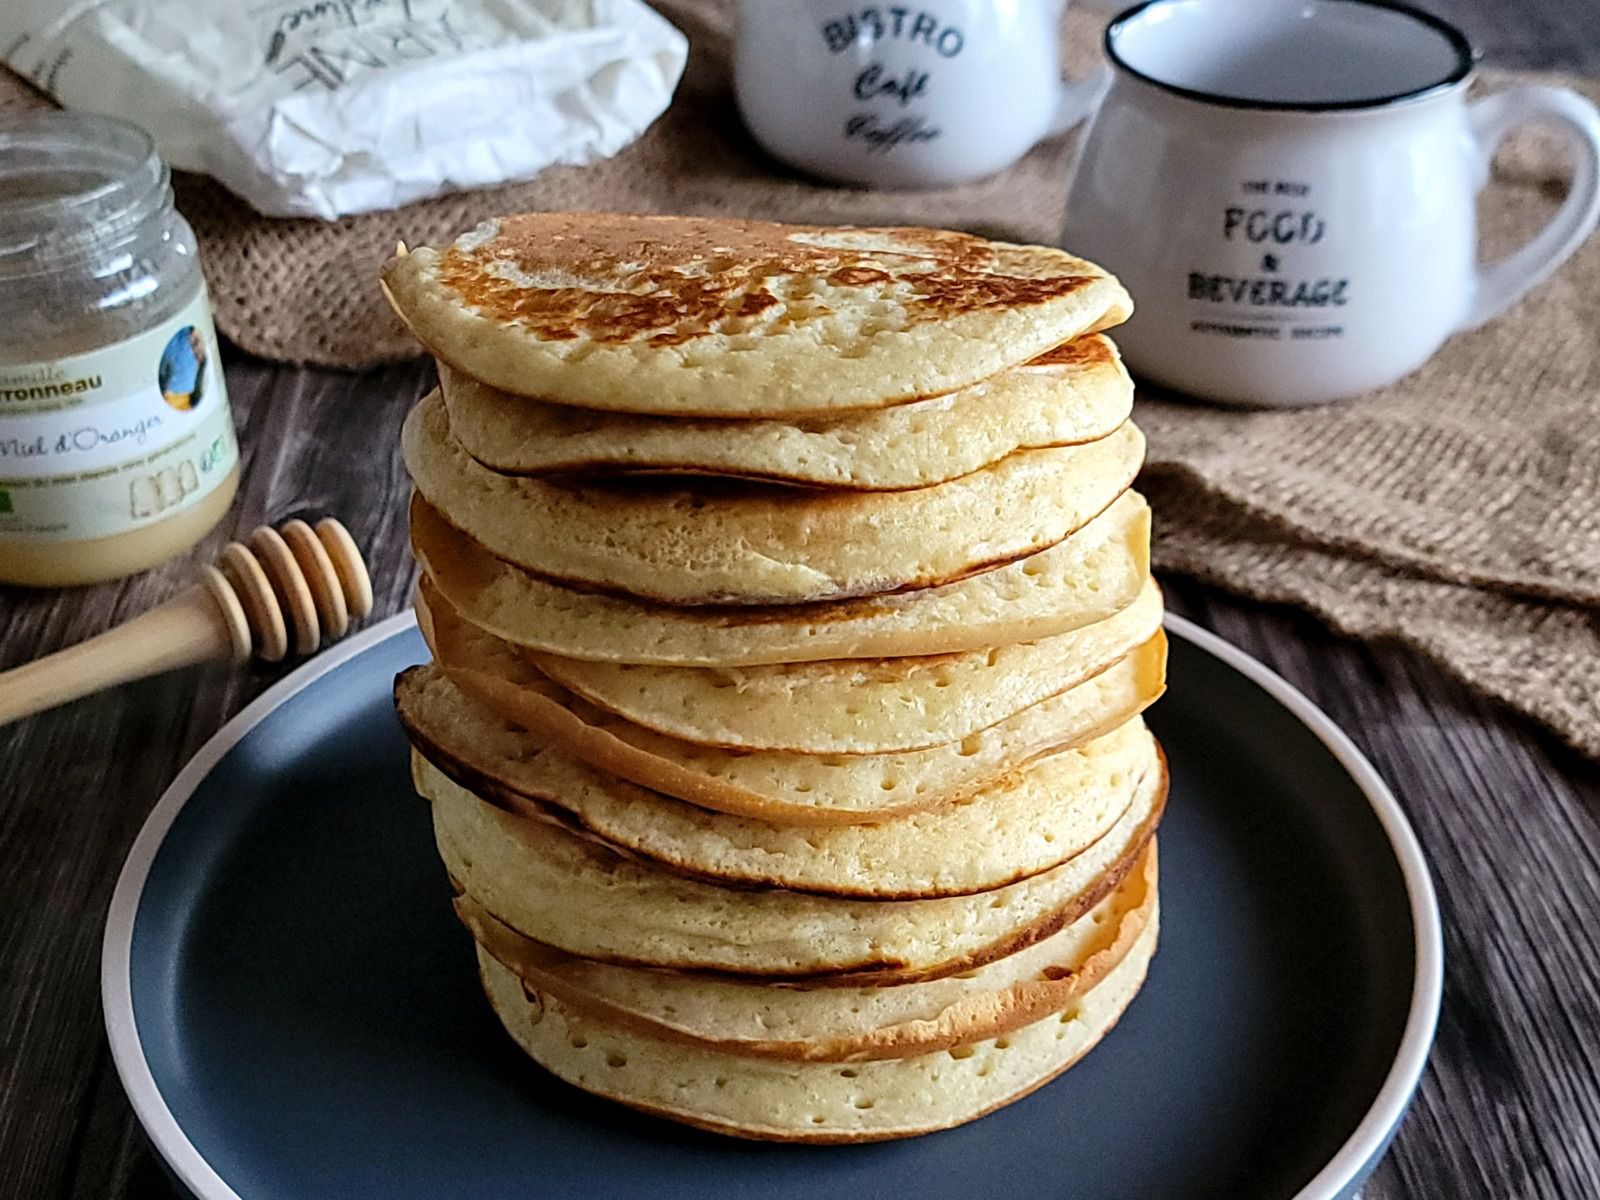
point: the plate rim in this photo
(1364, 1144)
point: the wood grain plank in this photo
(76, 783)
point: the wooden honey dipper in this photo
(281, 589)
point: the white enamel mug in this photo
(1288, 190)
(919, 95)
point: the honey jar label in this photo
(106, 442)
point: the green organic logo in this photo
(5, 501)
(213, 453)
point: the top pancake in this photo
(714, 318)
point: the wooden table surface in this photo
(1509, 1108)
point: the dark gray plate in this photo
(294, 1010)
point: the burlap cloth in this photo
(1458, 512)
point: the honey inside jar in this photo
(117, 445)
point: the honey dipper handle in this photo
(194, 626)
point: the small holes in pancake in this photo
(849, 1073)
(577, 1042)
(616, 1059)
(960, 1052)
(819, 1120)
(1002, 1044)
(863, 1104)
(722, 1081)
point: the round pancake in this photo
(857, 706)
(798, 789)
(1094, 573)
(836, 1024)
(551, 884)
(1075, 393)
(811, 1102)
(1027, 823)
(746, 543)
(689, 316)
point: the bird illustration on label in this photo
(181, 375)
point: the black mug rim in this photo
(1466, 61)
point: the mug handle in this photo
(1501, 284)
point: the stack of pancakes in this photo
(791, 620)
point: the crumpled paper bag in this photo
(322, 108)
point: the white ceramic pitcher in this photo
(917, 95)
(1288, 190)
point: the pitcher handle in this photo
(1501, 284)
(1079, 98)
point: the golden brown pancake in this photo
(855, 705)
(825, 1103)
(1025, 824)
(1075, 393)
(746, 543)
(800, 789)
(553, 883)
(1093, 574)
(691, 316)
(836, 1024)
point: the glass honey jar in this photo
(117, 445)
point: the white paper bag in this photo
(326, 107)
